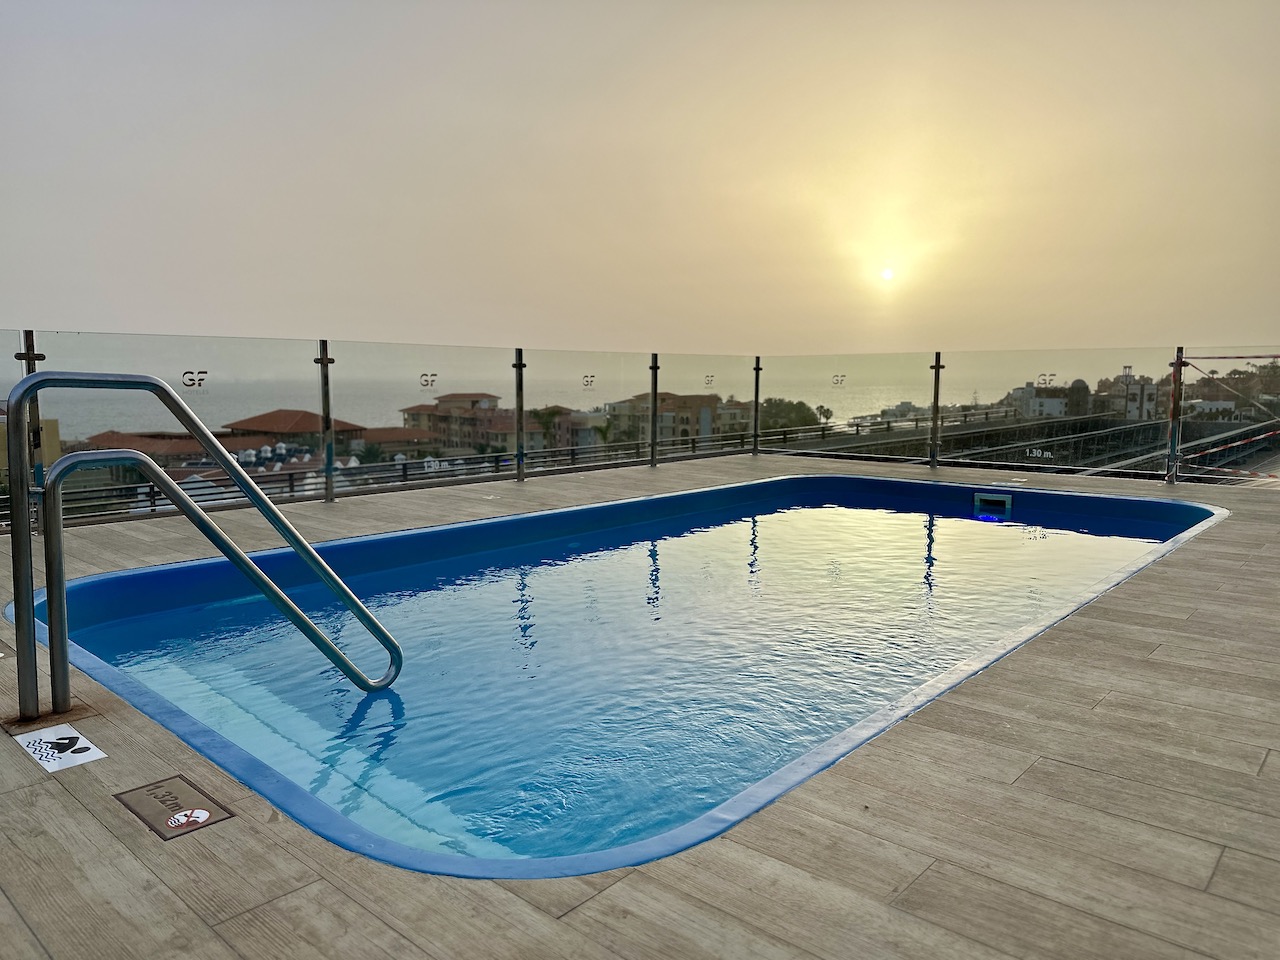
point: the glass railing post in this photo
(1175, 419)
(935, 432)
(326, 419)
(653, 410)
(755, 412)
(519, 366)
(29, 358)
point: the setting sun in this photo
(886, 273)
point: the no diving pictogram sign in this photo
(173, 807)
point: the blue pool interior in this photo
(598, 686)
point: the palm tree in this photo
(546, 418)
(372, 453)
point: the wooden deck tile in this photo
(1008, 679)
(1024, 924)
(1196, 817)
(1161, 735)
(1153, 850)
(1229, 726)
(1170, 682)
(825, 917)
(1248, 878)
(557, 896)
(818, 846)
(448, 917)
(644, 919)
(1108, 756)
(940, 746)
(1271, 766)
(1249, 667)
(1194, 637)
(315, 922)
(319, 854)
(19, 942)
(1151, 668)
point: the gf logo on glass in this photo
(194, 378)
(427, 379)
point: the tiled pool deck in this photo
(1111, 790)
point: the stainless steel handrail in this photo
(56, 585)
(21, 541)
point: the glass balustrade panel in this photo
(857, 404)
(406, 412)
(705, 402)
(1230, 424)
(259, 397)
(1064, 410)
(585, 407)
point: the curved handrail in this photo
(56, 584)
(20, 530)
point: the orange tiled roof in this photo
(178, 445)
(159, 445)
(284, 422)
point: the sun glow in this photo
(886, 273)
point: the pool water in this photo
(567, 698)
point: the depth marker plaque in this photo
(173, 807)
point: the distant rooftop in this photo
(289, 422)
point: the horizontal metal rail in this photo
(17, 427)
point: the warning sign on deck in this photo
(56, 748)
(173, 807)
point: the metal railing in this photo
(21, 494)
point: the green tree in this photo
(603, 430)
(372, 453)
(776, 413)
(546, 419)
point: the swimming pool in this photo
(595, 687)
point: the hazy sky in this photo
(723, 177)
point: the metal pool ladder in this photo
(21, 494)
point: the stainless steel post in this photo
(29, 358)
(24, 617)
(755, 413)
(653, 410)
(519, 366)
(1175, 420)
(326, 420)
(935, 431)
(55, 578)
